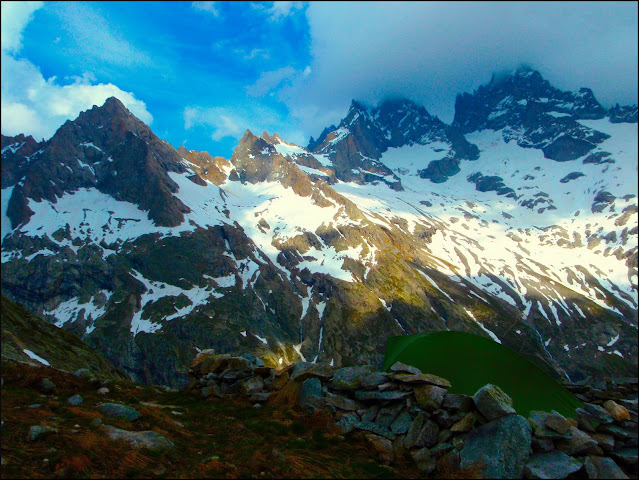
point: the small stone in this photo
(604, 467)
(538, 419)
(374, 380)
(252, 385)
(465, 424)
(103, 390)
(453, 401)
(542, 444)
(594, 412)
(399, 367)
(553, 464)
(557, 422)
(604, 440)
(493, 402)
(278, 456)
(618, 412)
(578, 442)
(429, 397)
(311, 395)
(373, 395)
(350, 378)
(83, 372)
(383, 447)
(47, 386)
(341, 402)
(260, 397)
(402, 423)
(423, 432)
(627, 456)
(147, 439)
(39, 431)
(116, 410)
(96, 421)
(75, 400)
(424, 460)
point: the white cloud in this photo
(431, 51)
(15, 16)
(96, 38)
(223, 122)
(207, 7)
(268, 81)
(35, 106)
(278, 10)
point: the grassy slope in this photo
(217, 439)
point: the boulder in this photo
(577, 442)
(551, 465)
(382, 447)
(146, 439)
(618, 412)
(75, 400)
(350, 378)
(311, 396)
(492, 402)
(500, 446)
(429, 397)
(116, 410)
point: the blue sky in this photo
(201, 73)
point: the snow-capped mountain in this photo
(518, 222)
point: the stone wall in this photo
(406, 414)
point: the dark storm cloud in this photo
(431, 51)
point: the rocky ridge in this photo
(274, 253)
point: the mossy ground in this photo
(216, 438)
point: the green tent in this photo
(469, 362)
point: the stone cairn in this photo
(408, 415)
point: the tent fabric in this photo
(470, 361)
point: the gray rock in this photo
(252, 385)
(83, 372)
(618, 431)
(75, 400)
(39, 431)
(429, 397)
(260, 397)
(454, 401)
(47, 386)
(374, 380)
(595, 412)
(537, 420)
(375, 428)
(602, 467)
(147, 439)
(441, 449)
(300, 368)
(387, 415)
(492, 402)
(542, 444)
(464, 425)
(399, 367)
(116, 410)
(368, 414)
(627, 456)
(557, 422)
(577, 442)
(347, 422)
(501, 445)
(212, 390)
(423, 432)
(376, 395)
(425, 460)
(402, 423)
(311, 395)
(350, 378)
(604, 440)
(551, 465)
(383, 447)
(420, 378)
(341, 402)
(103, 390)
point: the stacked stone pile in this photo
(408, 415)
